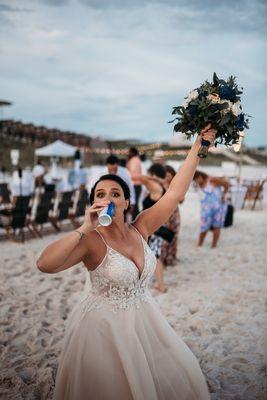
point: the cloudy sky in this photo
(115, 68)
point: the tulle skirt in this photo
(131, 354)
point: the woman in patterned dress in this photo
(213, 209)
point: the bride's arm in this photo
(63, 253)
(73, 247)
(151, 219)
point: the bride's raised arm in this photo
(151, 219)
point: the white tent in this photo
(56, 149)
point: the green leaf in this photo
(215, 80)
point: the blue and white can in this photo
(105, 216)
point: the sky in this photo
(115, 68)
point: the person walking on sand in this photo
(118, 345)
(212, 193)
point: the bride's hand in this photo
(208, 133)
(91, 214)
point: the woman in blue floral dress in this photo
(213, 208)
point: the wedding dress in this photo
(119, 346)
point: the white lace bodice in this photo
(118, 284)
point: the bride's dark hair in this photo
(115, 178)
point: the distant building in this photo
(179, 140)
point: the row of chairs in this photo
(33, 212)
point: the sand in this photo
(216, 302)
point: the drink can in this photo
(105, 216)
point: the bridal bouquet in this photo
(217, 103)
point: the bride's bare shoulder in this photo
(140, 227)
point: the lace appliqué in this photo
(116, 284)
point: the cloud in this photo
(55, 2)
(5, 22)
(117, 70)
(8, 8)
(243, 14)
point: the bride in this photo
(118, 345)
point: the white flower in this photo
(237, 108)
(237, 146)
(193, 95)
(186, 103)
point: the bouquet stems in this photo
(204, 149)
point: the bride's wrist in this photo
(85, 229)
(198, 141)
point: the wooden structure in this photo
(254, 193)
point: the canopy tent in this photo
(56, 149)
(4, 103)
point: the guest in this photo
(113, 167)
(38, 173)
(134, 166)
(212, 205)
(21, 184)
(82, 177)
(169, 250)
(154, 184)
(77, 160)
(3, 175)
(73, 177)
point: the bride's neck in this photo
(118, 229)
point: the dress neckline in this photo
(139, 271)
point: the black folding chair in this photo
(41, 217)
(62, 210)
(4, 194)
(18, 218)
(50, 187)
(80, 207)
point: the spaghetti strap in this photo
(102, 237)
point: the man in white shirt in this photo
(113, 167)
(38, 169)
(21, 183)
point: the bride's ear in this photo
(127, 204)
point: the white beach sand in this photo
(215, 302)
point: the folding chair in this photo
(62, 211)
(79, 211)
(50, 187)
(4, 194)
(254, 194)
(44, 206)
(18, 218)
